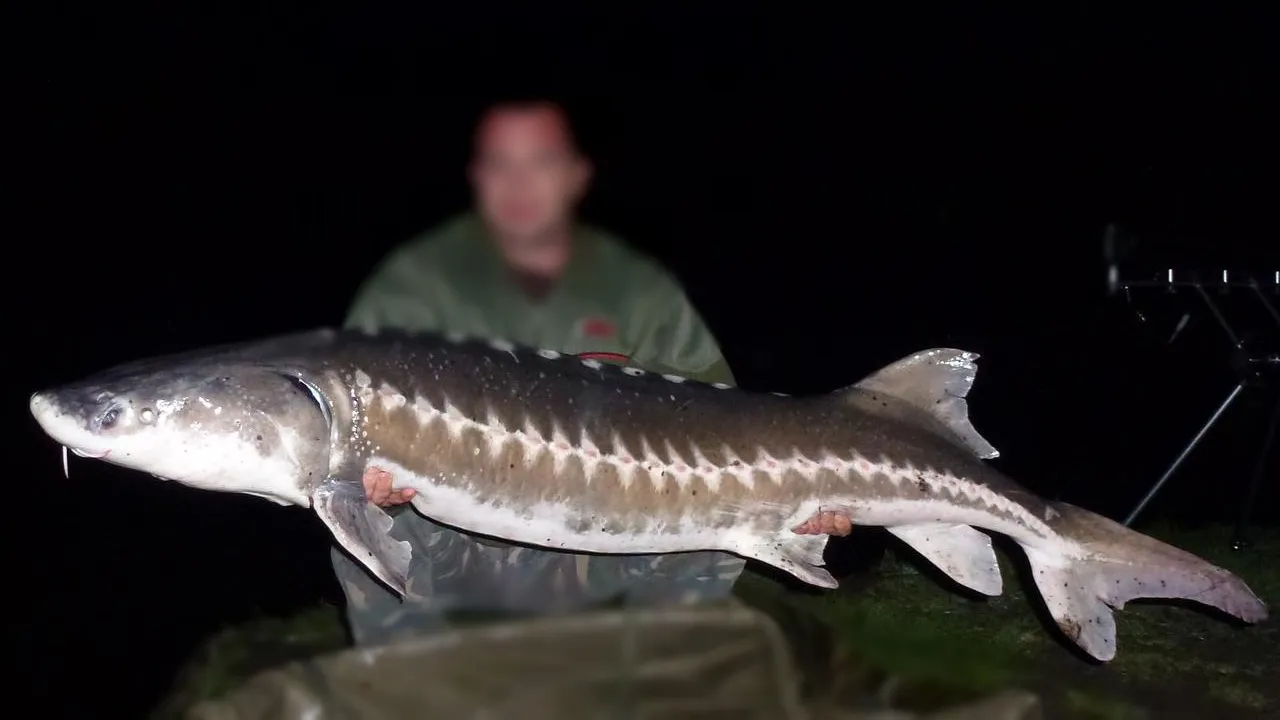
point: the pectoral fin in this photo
(799, 555)
(364, 530)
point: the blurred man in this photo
(523, 269)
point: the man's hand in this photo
(377, 486)
(825, 523)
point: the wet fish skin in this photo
(533, 447)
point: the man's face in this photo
(526, 174)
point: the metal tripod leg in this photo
(1239, 539)
(1185, 452)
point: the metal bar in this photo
(1238, 539)
(1275, 315)
(1187, 283)
(1217, 314)
(1213, 419)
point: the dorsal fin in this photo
(934, 382)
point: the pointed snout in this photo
(52, 416)
(41, 405)
(46, 412)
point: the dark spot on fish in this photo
(884, 404)
(259, 438)
(695, 492)
(1071, 628)
(924, 486)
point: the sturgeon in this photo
(538, 448)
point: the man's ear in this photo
(583, 172)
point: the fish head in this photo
(228, 426)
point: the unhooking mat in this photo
(709, 662)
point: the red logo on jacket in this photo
(597, 327)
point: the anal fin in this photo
(963, 553)
(799, 555)
(364, 530)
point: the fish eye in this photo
(146, 415)
(109, 419)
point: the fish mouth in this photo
(66, 465)
(61, 428)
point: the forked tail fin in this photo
(1116, 565)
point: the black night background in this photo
(836, 187)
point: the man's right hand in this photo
(377, 486)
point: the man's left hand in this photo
(377, 486)
(825, 523)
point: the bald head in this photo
(526, 171)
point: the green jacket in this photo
(612, 299)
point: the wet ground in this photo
(896, 635)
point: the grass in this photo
(905, 639)
(1172, 661)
